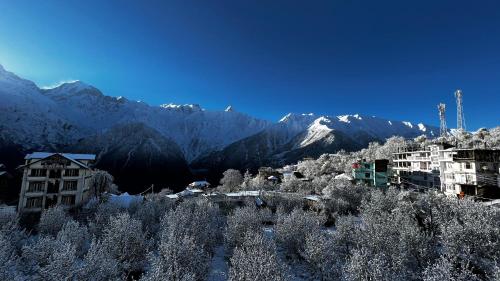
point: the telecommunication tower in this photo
(460, 112)
(442, 125)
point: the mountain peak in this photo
(185, 107)
(294, 117)
(73, 85)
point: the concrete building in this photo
(372, 173)
(470, 172)
(54, 179)
(417, 165)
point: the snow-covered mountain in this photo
(195, 130)
(297, 136)
(75, 115)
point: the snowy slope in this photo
(30, 118)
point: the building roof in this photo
(73, 156)
(38, 156)
(199, 183)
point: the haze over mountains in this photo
(161, 144)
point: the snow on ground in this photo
(219, 269)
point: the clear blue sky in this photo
(393, 59)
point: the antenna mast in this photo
(443, 132)
(460, 112)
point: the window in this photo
(70, 185)
(38, 173)
(468, 165)
(71, 172)
(54, 174)
(68, 200)
(36, 186)
(367, 166)
(34, 202)
(367, 175)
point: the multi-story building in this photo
(417, 165)
(470, 172)
(374, 173)
(54, 179)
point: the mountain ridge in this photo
(76, 115)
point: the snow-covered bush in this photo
(52, 220)
(292, 229)
(256, 259)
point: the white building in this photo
(417, 165)
(470, 172)
(54, 178)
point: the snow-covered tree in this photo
(124, 240)
(76, 235)
(98, 264)
(49, 259)
(100, 182)
(9, 260)
(247, 181)
(297, 186)
(180, 258)
(197, 219)
(52, 220)
(231, 180)
(319, 253)
(342, 197)
(292, 229)
(242, 221)
(445, 269)
(61, 264)
(256, 259)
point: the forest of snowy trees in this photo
(363, 234)
(354, 233)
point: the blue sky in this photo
(393, 59)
